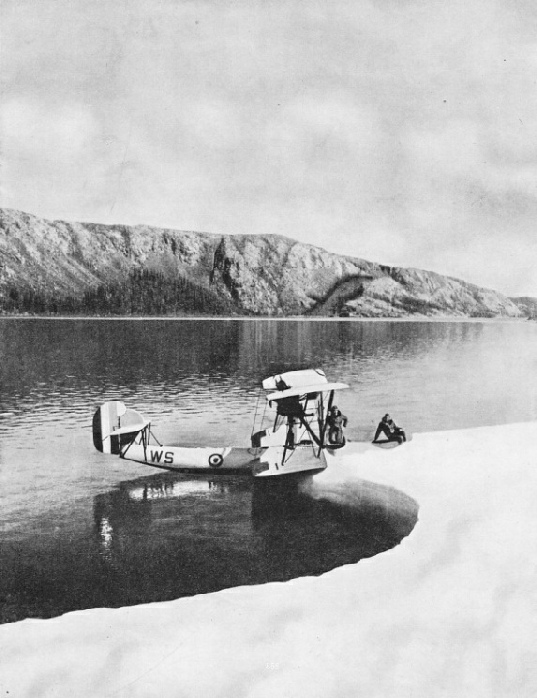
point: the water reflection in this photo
(63, 368)
(60, 370)
(47, 358)
(189, 536)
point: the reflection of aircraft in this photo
(130, 508)
(167, 535)
(138, 508)
(295, 443)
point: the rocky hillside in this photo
(57, 267)
(527, 305)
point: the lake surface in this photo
(81, 530)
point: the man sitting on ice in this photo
(390, 429)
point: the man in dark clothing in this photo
(336, 422)
(392, 432)
(291, 409)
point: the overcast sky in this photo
(400, 132)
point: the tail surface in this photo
(115, 426)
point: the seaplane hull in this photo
(183, 459)
(276, 462)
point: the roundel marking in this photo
(215, 460)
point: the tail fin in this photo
(115, 426)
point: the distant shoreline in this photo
(264, 318)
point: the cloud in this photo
(33, 128)
(383, 130)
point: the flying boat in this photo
(298, 407)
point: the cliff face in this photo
(246, 274)
(527, 305)
(276, 275)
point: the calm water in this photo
(81, 530)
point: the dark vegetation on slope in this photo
(143, 292)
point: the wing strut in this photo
(328, 408)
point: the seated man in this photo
(388, 427)
(336, 421)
